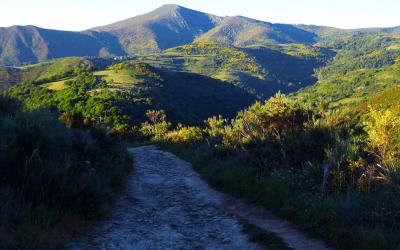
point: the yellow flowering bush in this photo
(382, 131)
(185, 135)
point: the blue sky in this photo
(79, 15)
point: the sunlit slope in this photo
(243, 31)
(166, 27)
(261, 70)
(36, 72)
(362, 67)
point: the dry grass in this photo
(56, 85)
(122, 77)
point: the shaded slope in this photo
(19, 44)
(186, 97)
(192, 98)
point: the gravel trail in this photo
(166, 205)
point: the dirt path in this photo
(166, 205)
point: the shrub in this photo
(383, 134)
(159, 128)
(184, 134)
(49, 170)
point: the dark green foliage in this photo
(188, 98)
(191, 98)
(111, 108)
(49, 170)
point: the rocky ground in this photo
(166, 205)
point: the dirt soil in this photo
(166, 205)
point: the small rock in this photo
(226, 240)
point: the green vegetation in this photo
(55, 85)
(362, 67)
(326, 158)
(113, 108)
(389, 99)
(335, 177)
(123, 93)
(55, 179)
(42, 72)
(259, 69)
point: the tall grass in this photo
(313, 167)
(347, 219)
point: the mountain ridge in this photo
(21, 44)
(165, 27)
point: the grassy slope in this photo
(354, 86)
(389, 99)
(122, 77)
(12, 75)
(242, 31)
(263, 70)
(362, 67)
(59, 85)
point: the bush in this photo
(49, 170)
(185, 135)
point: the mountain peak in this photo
(167, 26)
(170, 6)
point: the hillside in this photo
(243, 31)
(10, 76)
(123, 93)
(362, 67)
(24, 44)
(258, 69)
(163, 28)
(389, 99)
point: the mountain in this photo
(166, 27)
(163, 28)
(243, 31)
(20, 44)
(261, 57)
